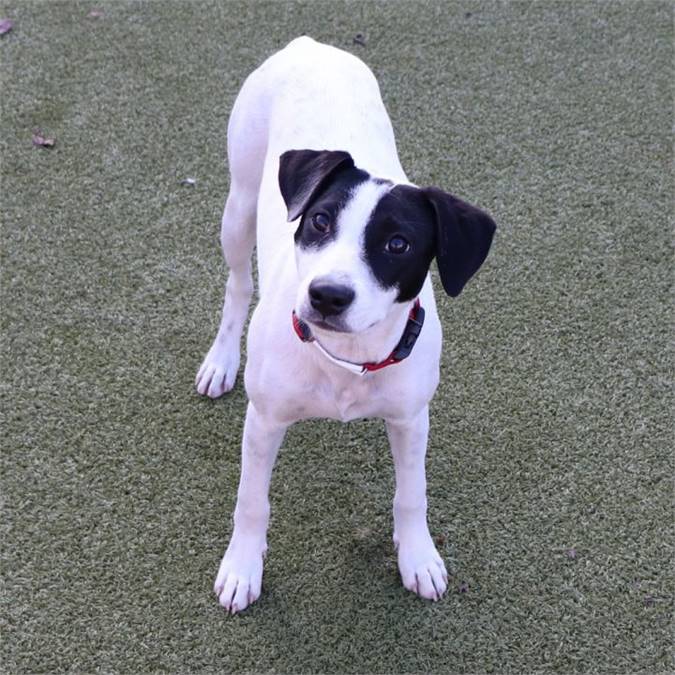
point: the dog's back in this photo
(323, 95)
(308, 95)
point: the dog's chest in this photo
(349, 401)
(344, 398)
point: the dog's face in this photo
(364, 244)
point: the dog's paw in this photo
(239, 579)
(422, 569)
(218, 372)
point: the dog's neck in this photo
(371, 345)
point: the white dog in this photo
(346, 326)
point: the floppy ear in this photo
(463, 238)
(302, 173)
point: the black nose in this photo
(330, 299)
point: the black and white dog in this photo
(346, 326)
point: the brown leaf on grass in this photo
(359, 39)
(95, 14)
(5, 26)
(40, 140)
(463, 587)
(571, 553)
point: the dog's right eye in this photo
(321, 222)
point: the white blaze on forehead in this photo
(341, 258)
(352, 219)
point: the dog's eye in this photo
(397, 245)
(321, 222)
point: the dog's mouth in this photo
(327, 323)
(331, 324)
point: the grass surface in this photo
(550, 465)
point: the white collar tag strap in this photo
(402, 350)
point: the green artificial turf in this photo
(550, 459)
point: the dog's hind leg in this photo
(219, 368)
(246, 150)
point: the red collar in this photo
(401, 350)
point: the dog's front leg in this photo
(239, 579)
(422, 569)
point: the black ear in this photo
(464, 234)
(302, 173)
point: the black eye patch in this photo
(327, 204)
(403, 213)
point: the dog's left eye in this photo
(321, 222)
(397, 245)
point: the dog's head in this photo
(364, 244)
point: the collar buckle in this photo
(412, 331)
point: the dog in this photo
(346, 325)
